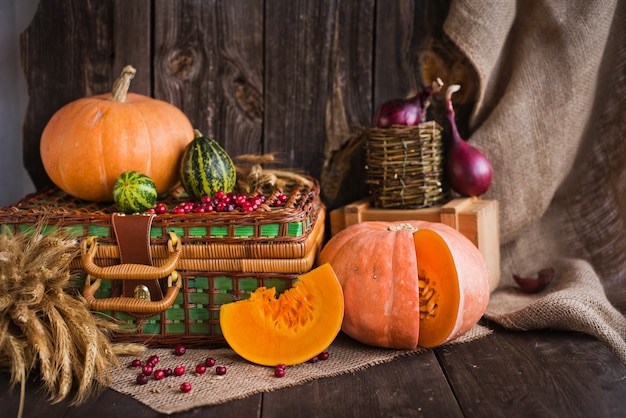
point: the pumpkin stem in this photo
(121, 85)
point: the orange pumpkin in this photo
(408, 283)
(291, 329)
(89, 142)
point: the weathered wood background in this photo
(291, 77)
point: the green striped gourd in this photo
(134, 192)
(206, 168)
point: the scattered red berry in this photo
(324, 355)
(153, 359)
(279, 372)
(221, 370)
(314, 359)
(179, 370)
(159, 374)
(147, 370)
(185, 387)
(200, 368)
(142, 379)
(136, 363)
(168, 372)
(179, 350)
(209, 362)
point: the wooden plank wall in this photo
(292, 77)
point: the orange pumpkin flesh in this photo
(291, 329)
(408, 283)
(89, 142)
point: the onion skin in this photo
(469, 171)
(407, 112)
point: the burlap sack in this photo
(551, 116)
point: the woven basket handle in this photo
(130, 271)
(126, 304)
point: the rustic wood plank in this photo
(402, 31)
(67, 54)
(131, 31)
(314, 80)
(409, 386)
(208, 62)
(348, 104)
(542, 373)
(111, 403)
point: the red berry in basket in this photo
(209, 362)
(142, 379)
(147, 370)
(135, 363)
(159, 374)
(185, 387)
(160, 208)
(200, 368)
(219, 195)
(221, 370)
(179, 350)
(179, 370)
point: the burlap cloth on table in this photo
(551, 117)
(243, 378)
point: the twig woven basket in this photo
(405, 166)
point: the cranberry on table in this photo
(142, 379)
(200, 368)
(209, 362)
(220, 370)
(185, 387)
(179, 350)
(179, 370)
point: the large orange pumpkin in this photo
(89, 142)
(408, 283)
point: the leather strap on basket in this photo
(133, 239)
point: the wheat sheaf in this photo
(45, 330)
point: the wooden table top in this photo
(512, 374)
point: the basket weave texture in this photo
(405, 166)
(224, 256)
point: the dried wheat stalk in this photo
(42, 327)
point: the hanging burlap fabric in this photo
(551, 117)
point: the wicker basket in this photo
(405, 166)
(196, 262)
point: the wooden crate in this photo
(475, 218)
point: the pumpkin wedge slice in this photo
(292, 328)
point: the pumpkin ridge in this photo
(60, 145)
(147, 130)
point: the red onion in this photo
(535, 284)
(469, 171)
(408, 112)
